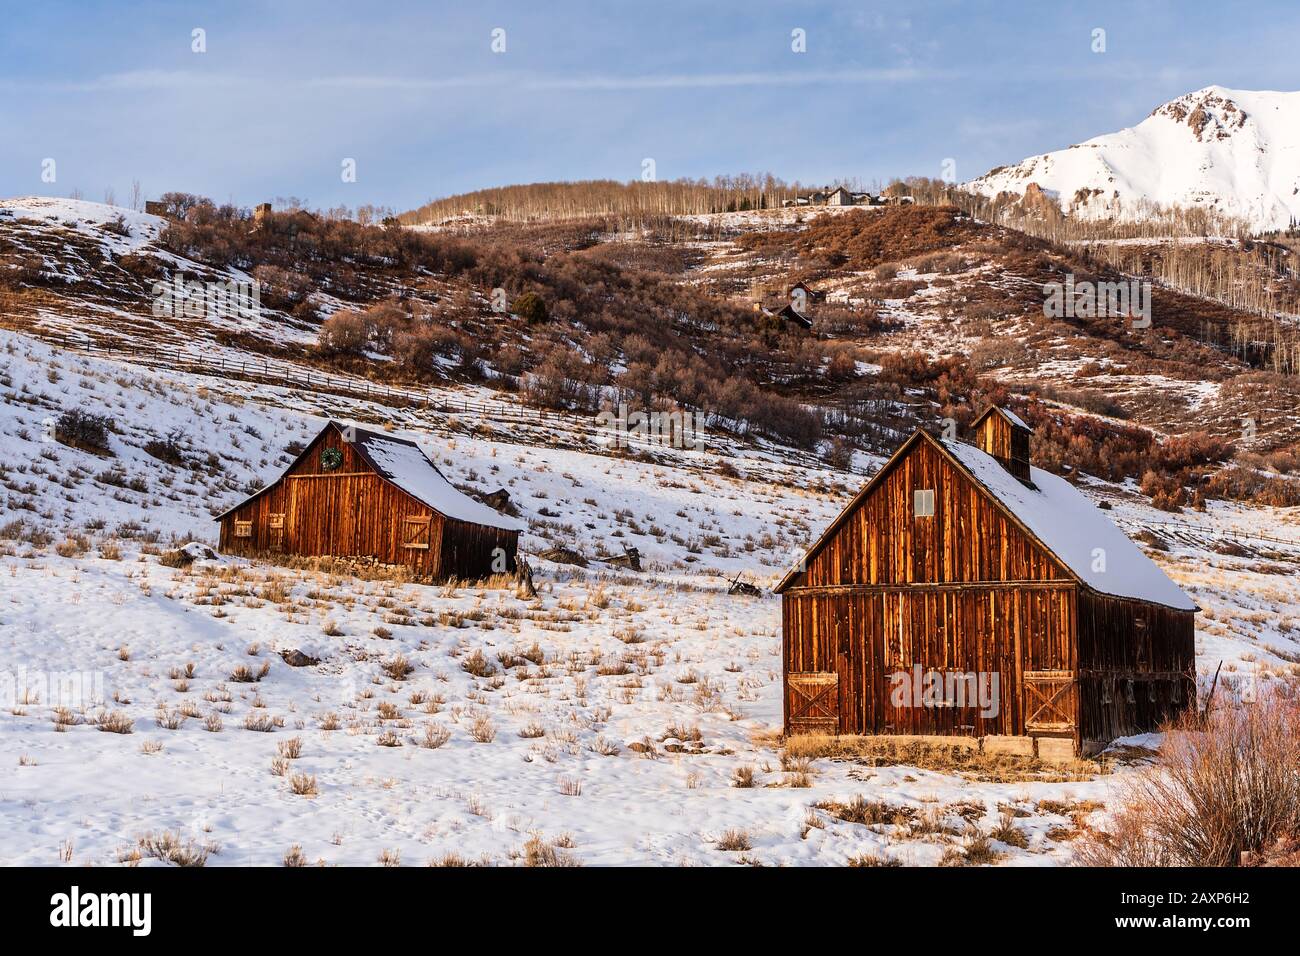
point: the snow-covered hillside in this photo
(615, 718)
(1234, 151)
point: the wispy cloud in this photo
(132, 81)
(669, 81)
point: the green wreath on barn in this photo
(330, 459)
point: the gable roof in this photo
(400, 462)
(1054, 513)
(791, 314)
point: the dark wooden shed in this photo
(358, 493)
(963, 591)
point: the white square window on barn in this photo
(923, 503)
(243, 529)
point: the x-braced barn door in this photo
(1051, 701)
(814, 702)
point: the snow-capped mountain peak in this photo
(1234, 151)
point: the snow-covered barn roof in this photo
(1073, 529)
(405, 465)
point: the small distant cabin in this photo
(965, 592)
(839, 196)
(358, 493)
(155, 208)
(809, 294)
(792, 316)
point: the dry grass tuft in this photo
(398, 668)
(482, 729)
(243, 674)
(295, 856)
(435, 735)
(115, 722)
(478, 664)
(174, 849)
(735, 840)
(538, 852)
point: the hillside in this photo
(929, 314)
(526, 728)
(1233, 152)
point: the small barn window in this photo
(415, 533)
(243, 529)
(923, 503)
(277, 521)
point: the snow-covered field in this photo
(607, 721)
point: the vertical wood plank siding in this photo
(1150, 645)
(352, 511)
(969, 539)
(865, 636)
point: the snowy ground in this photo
(605, 722)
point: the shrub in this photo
(531, 308)
(83, 429)
(343, 333)
(1221, 787)
(169, 448)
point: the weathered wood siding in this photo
(1136, 665)
(866, 635)
(969, 539)
(965, 590)
(353, 511)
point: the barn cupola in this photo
(1001, 433)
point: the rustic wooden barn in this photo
(964, 591)
(358, 493)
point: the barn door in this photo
(813, 699)
(1051, 701)
(415, 533)
(276, 526)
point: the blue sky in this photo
(413, 92)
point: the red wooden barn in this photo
(358, 493)
(963, 591)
